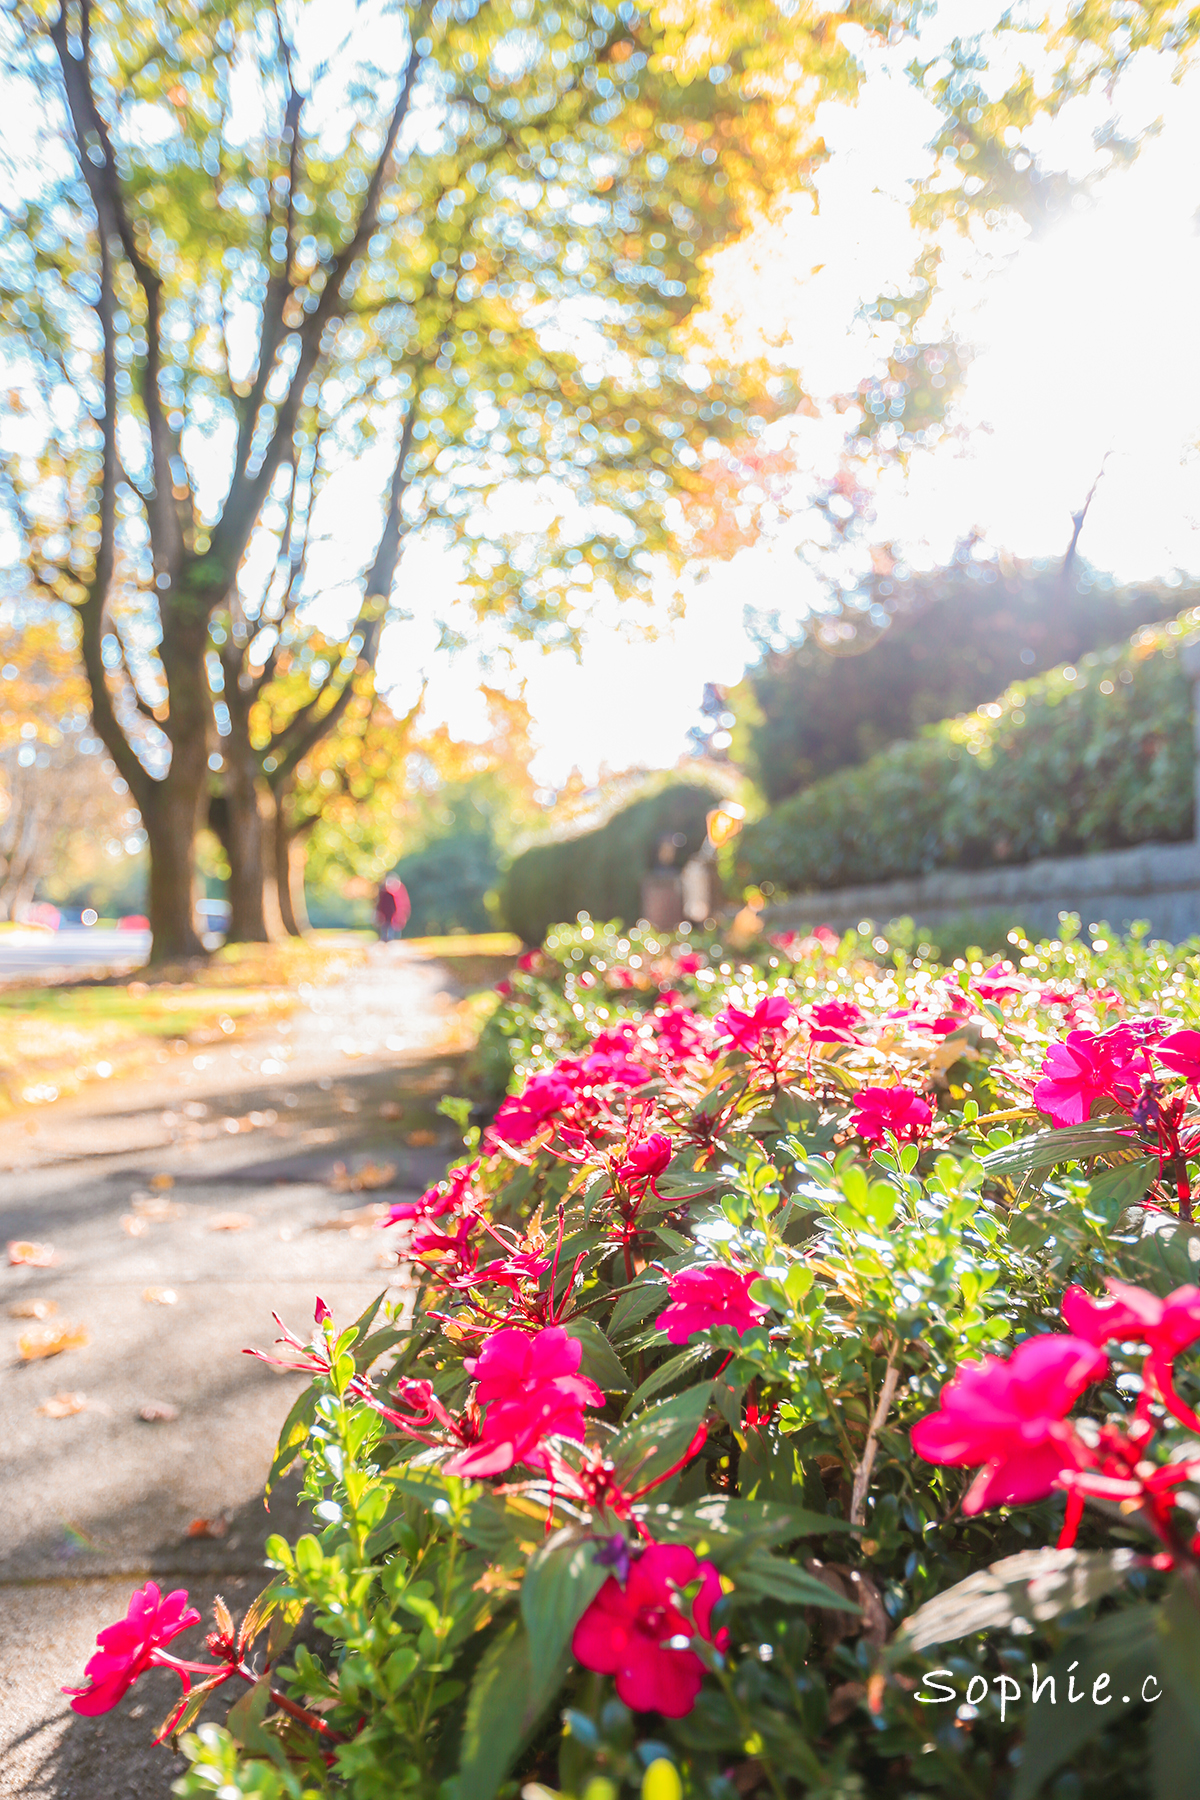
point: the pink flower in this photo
(1089, 1066)
(522, 1115)
(1167, 1326)
(605, 1068)
(504, 989)
(748, 1029)
(447, 1196)
(531, 1389)
(998, 982)
(708, 1296)
(126, 1649)
(1181, 1052)
(647, 1160)
(689, 962)
(830, 1022)
(896, 1109)
(631, 1631)
(1008, 1416)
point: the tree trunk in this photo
(290, 858)
(248, 916)
(171, 818)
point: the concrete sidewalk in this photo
(217, 1185)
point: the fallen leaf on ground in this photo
(421, 1140)
(391, 1109)
(160, 1296)
(347, 1106)
(51, 1340)
(154, 1211)
(156, 1412)
(360, 1219)
(162, 1182)
(32, 1309)
(228, 1221)
(134, 1226)
(33, 1256)
(62, 1406)
(358, 1181)
(208, 1528)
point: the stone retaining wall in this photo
(1158, 882)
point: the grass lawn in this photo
(56, 1035)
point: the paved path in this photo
(251, 1136)
(70, 950)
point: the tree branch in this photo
(248, 492)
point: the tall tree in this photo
(245, 249)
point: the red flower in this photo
(532, 1390)
(447, 1196)
(522, 1115)
(1008, 1416)
(1089, 1066)
(634, 1632)
(896, 1109)
(689, 962)
(611, 1067)
(504, 989)
(1181, 1052)
(645, 1161)
(998, 982)
(708, 1296)
(748, 1029)
(126, 1649)
(1167, 1326)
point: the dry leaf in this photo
(32, 1309)
(162, 1182)
(421, 1140)
(158, 1411)
(391, 1109)
(33, 1256)
(155, 1212)
(134, 1226)
(160, 1296)
(228, 1221)
(208, 1528)
(50, 1340)
(347, 1106)
(356, 1218)
(357, 1181)
(62, 1406)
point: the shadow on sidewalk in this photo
(63, 1756)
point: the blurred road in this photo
(71, 947)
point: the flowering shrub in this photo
(804, 1341)
(1088, 758)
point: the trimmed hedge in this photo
(1086, 758)
(600, 872)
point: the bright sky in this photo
(1086, 342)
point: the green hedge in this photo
(1086, 758)
(600, 872)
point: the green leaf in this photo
(1174, 1749)
(1166, 1254)
(1125, 1185)
(731, 1525)
(1046, 1149)
(1035, 1585)
(293, 1436)
(1179, 1645)
(764, 1577)
(562, 1579)
(669, 1374)
(1121, 1646)
(641, 1297)
(501, 1714)
(600, 1363)
(363, 1321)
(655, 1441)
(246, 1717)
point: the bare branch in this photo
(248, 492)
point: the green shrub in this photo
(600, 872)
(1080, 759)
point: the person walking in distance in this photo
(392, 908)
